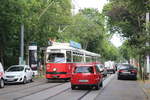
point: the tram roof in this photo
(63, 47)
(66, 46)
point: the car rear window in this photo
(84, 69)
(126, 67)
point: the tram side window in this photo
(74, 58)
(68, 54)
(88, 59)
(56, 57)
(77, 58)
(94, 59)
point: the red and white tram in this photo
(60, 58)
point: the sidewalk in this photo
(145, 85)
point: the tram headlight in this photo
(54, 69)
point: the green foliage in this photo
(88, 28)
(127, 17)
(45, 19)
(41, 18)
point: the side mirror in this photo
(101, 70)
(26, 70)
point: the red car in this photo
(86, 75)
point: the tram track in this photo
(24, 88)
(48, 91)
(45, 93)
(38, 91)
(68, 90)
(65, 90)
(86, 93)
(57, 94)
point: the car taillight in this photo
(134, 71)
(121, 71)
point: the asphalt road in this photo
(113, 89)
(122, 90)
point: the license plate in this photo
(126, 72)
(83, 81)
(10, 80)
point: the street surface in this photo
(122, 90)
(40, 89)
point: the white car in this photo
(1, 76)
(18, 74)
(102, 69)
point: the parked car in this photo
(102, 69)
(18, 74)
(110, 65)
(1, 76)
(86, 75)
(127, 71)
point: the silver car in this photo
(102, 69)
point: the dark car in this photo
(86, 75)
(127, 71)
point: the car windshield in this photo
(56, 57)
(84, 69)
(100, 66)
(15, 68)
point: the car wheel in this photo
(101, 84)
(114, 72)
(119, 78)
(25, 80)
(135, 78)
(97, 87)
(31, 80)
(72, 87)
(1, 83)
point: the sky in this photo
(81, 4)
(97, 4)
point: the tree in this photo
(127, 17)
(88, 29)
(39, 26)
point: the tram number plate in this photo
(83, 80)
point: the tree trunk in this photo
(140, 67)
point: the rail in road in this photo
(21, 87)
(51, 91)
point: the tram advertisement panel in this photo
(33, 57)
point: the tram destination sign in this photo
(75, 44)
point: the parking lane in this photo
(122, 90)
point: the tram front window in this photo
(56, 57)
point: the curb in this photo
(144, 91)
